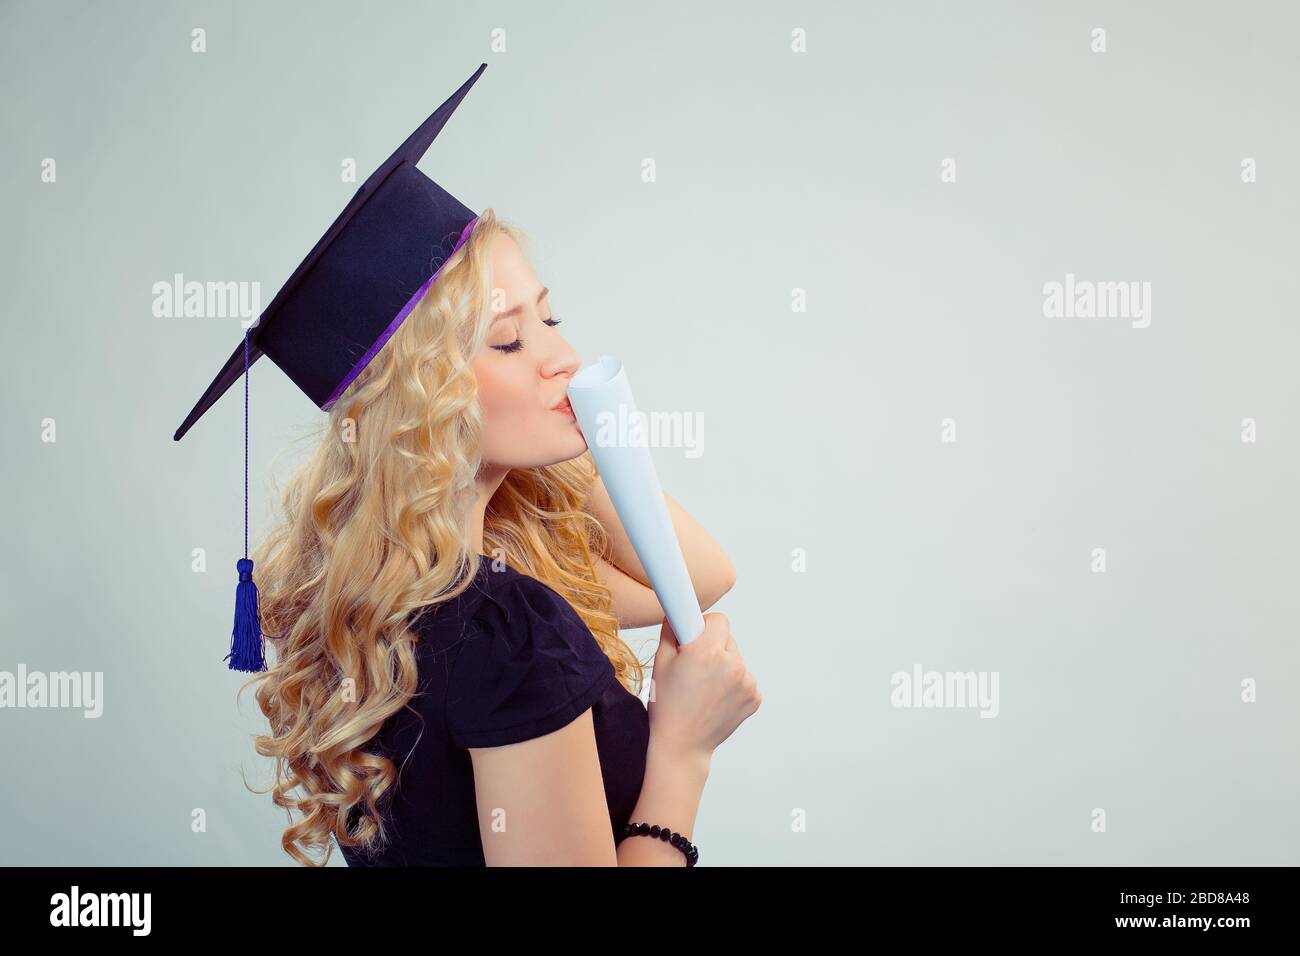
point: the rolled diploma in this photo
(596, 394)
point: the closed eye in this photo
(518, 343)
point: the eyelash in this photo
(518, 344)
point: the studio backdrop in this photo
(971, 328)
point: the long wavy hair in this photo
(375, 526)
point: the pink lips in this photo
(565, 408)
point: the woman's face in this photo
(523, 371)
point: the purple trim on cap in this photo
(392, 326)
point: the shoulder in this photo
(513, 603)
(526, 664)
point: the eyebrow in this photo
(519, 308)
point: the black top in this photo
(506, 661)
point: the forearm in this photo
(712, 573)
(670, 797)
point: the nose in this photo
(561, 358)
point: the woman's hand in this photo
(699, 693)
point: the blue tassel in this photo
(246, 639)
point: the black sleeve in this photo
(528, 665)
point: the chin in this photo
(568, 449)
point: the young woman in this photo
(445, 592)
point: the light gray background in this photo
(776, 171)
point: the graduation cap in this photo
(343, 302)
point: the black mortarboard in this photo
(342, 303)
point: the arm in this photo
(670, 797)
(541, 802)
(635, 603)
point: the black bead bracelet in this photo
(689, 849)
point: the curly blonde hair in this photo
(375, 526)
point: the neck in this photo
(488, 481)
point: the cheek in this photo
(507, 398)
(518, 432)
(494, 389)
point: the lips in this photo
(564, 406)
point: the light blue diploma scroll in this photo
(603, 405)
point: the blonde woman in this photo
(444, 590)
(444, 596)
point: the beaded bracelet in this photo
(688, 848)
